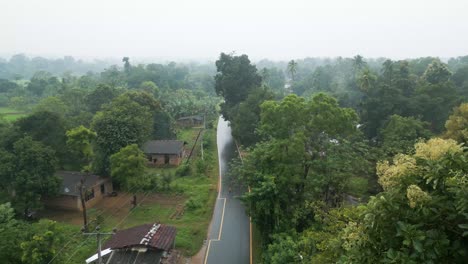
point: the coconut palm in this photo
(292, 69)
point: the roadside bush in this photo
(201, 166)
(192, 204)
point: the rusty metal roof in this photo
(154, 236)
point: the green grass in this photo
(192, 226)
(11, 114)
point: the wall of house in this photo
(98, 195)
(160, 160)
(68, 202)
(65, 202)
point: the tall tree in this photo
(121, 123)
(46, 240)
(128, 166)
(46, 127)
(457, 124)
(400, 134)
(103, 94)
(437, 72)
(422, 214)
(126, 61)
(358, 63)
(246, 120)
(292, 69)
(32, 174)
(234, 80)
(288, 169)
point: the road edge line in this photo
(250, 218)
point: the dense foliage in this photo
(363, 184)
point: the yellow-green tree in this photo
(457, 124)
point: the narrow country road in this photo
(229, 237)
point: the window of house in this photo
(89, 194)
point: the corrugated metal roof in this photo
(156, 236)
(163, 147)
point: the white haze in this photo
(201, 29)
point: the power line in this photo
(98, 235)
(76, 250)
(144, 198)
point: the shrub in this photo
(192, 204)
(183, 170)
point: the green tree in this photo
(247, 117)
(422, 214)
(128, 166)
(121, 123)
(293, 164)
(103, 94)
(52, 104)
(401, 133)
(457, 124)
(366, 80)
(150, 87)
(358, 63)
(80, 140)
(283, 249)
(46, 127)
(292, 69)
(127, 66)
(12, 232)
(234, 80)
(437, 72)
(46, 241)
(32, 174)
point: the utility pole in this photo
(134, 201)
(83, 204)
(201, 143)
(98, 236)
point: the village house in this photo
(95, 189)
(190, 121)
(144, 244)
(164, 152)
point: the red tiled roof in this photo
(156, 236)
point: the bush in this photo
(201, 166)
(183, 170)
(192, 204)
(166, 180)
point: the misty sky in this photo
(260, 28)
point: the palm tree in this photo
(358, 62)
(292, 69)
(366, 80)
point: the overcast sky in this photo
(260, 28)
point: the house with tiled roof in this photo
(164, 152)
(144, 244)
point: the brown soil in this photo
(117, 206)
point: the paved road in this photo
(229, 241)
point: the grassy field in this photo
(11, 114)
(188, 205)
